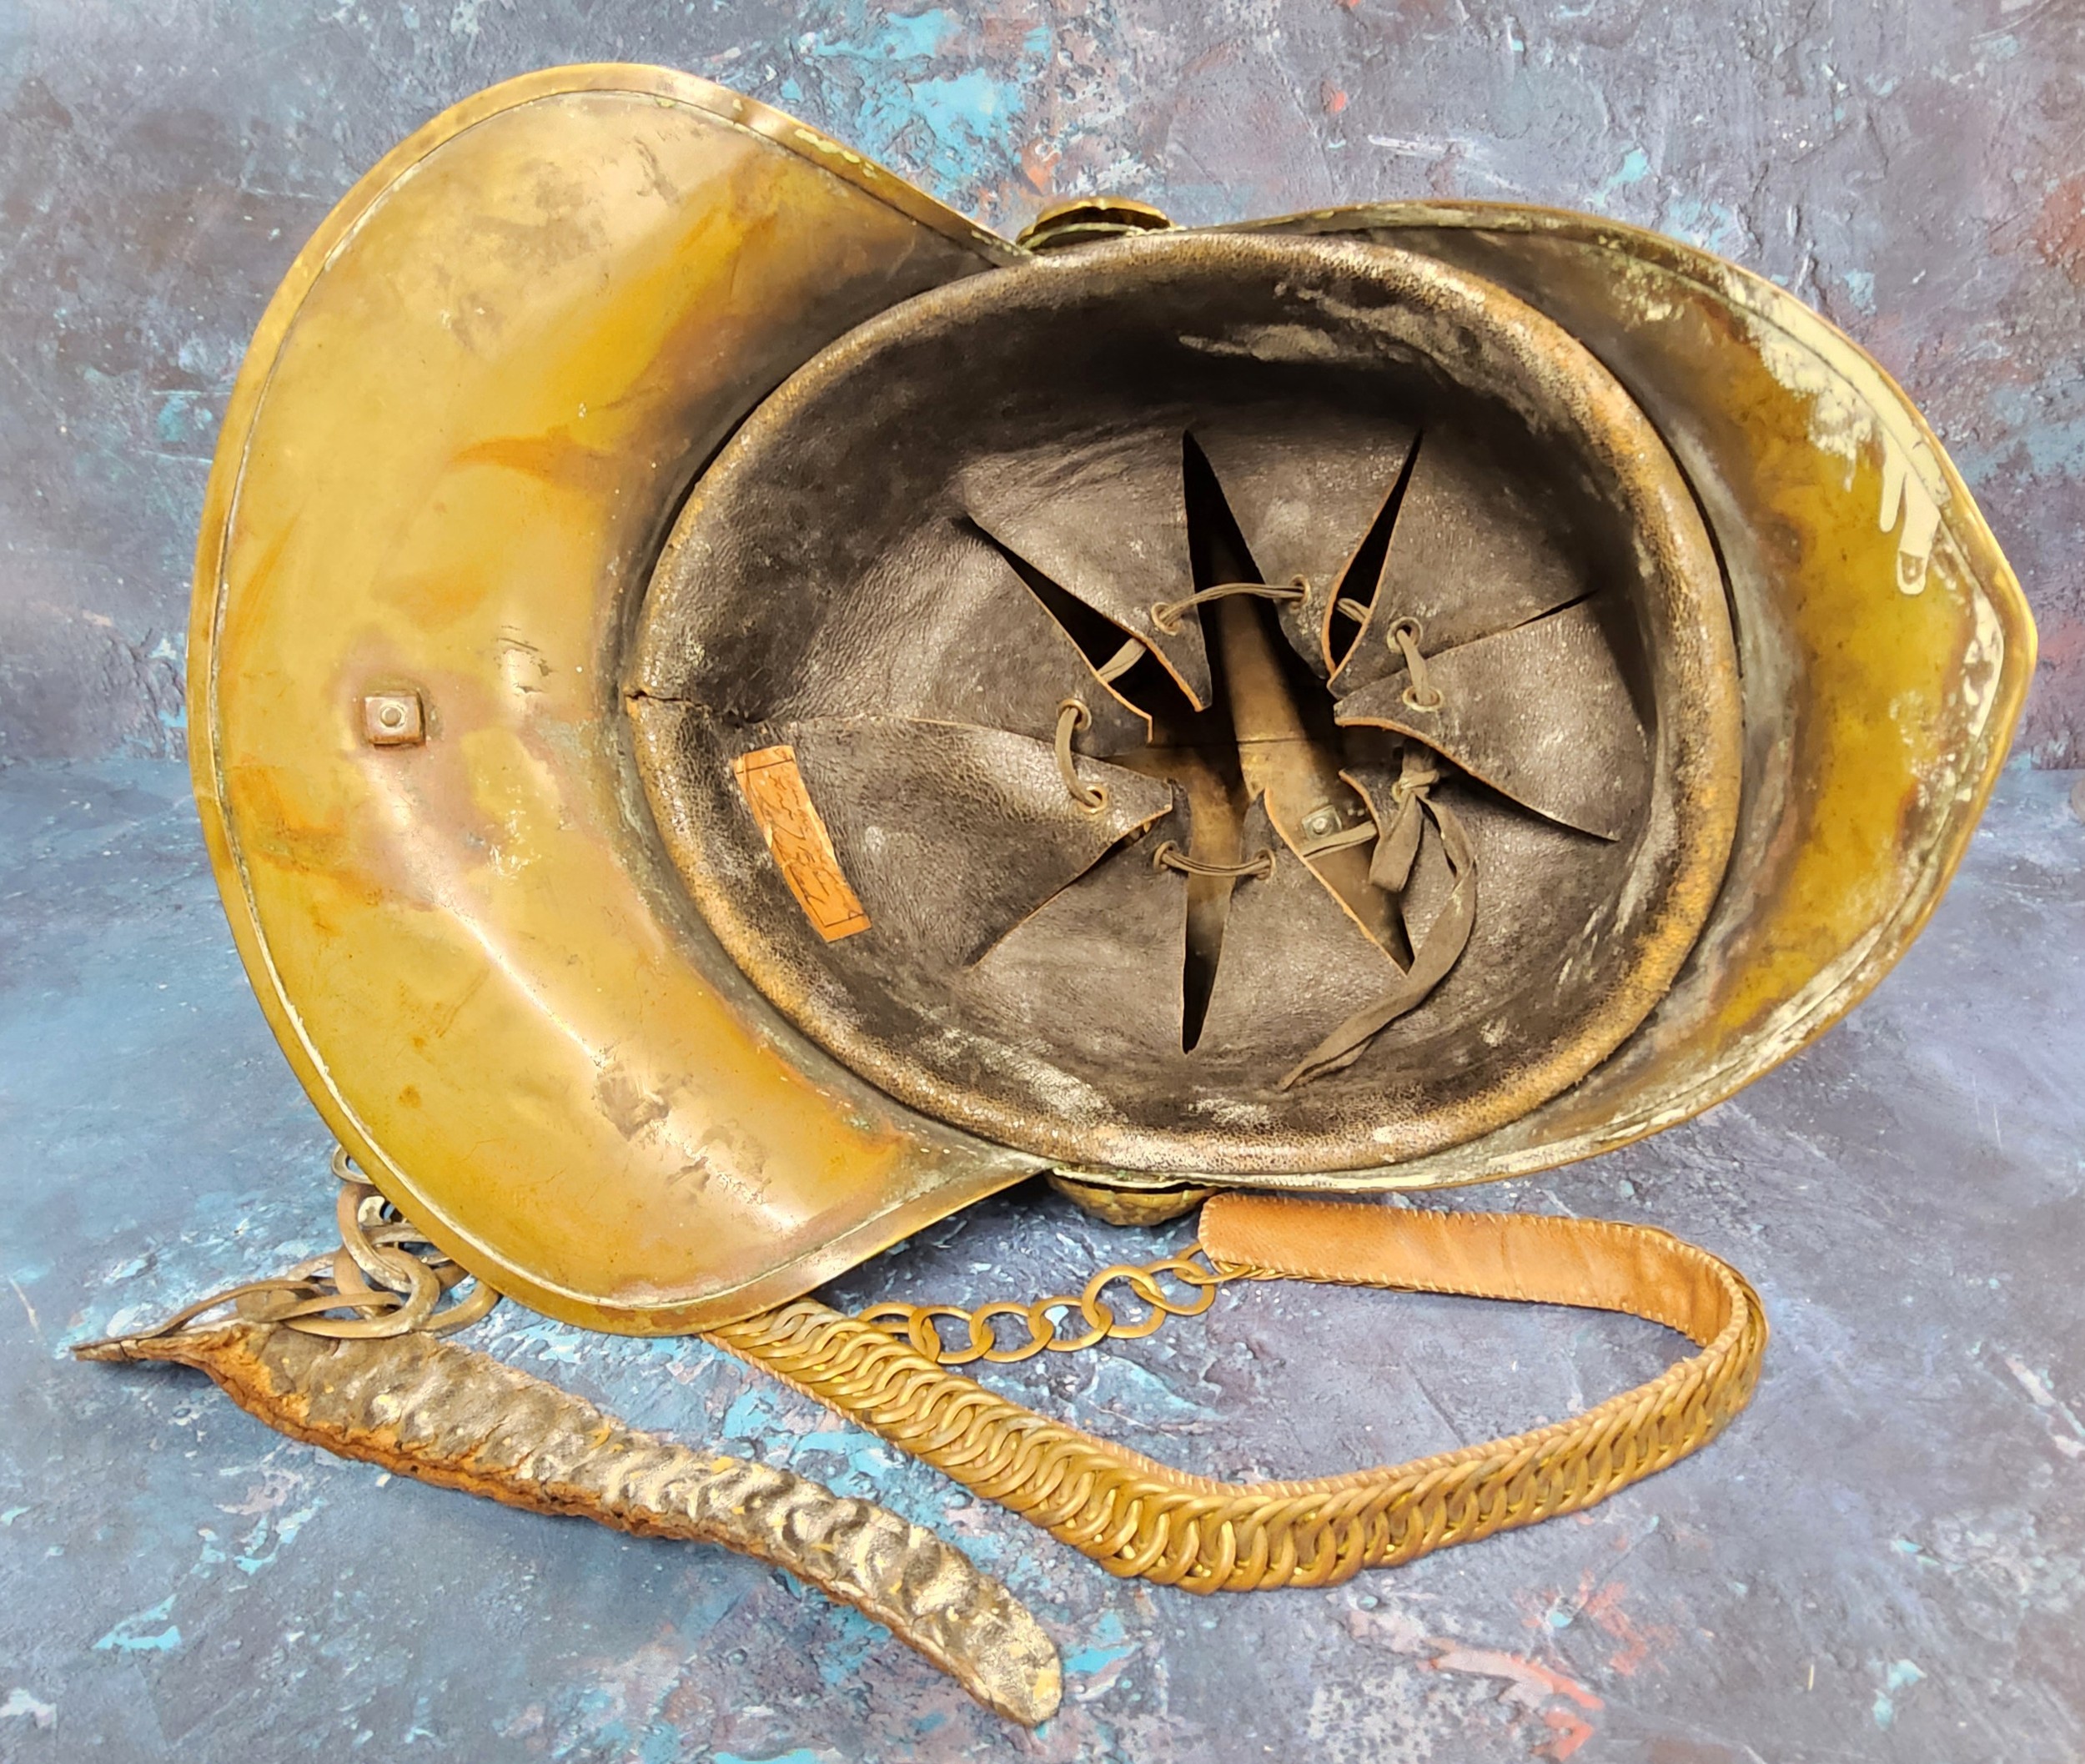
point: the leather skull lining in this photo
(1240, 728)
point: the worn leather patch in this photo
(798, 842)
(957, 834)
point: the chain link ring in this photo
(920, 1324)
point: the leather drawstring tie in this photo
(1397, 848)
(1170, 856)
(1071, 717)
(1166, 614)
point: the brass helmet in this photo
(736, 712)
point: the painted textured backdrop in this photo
(1915, 168)
(1884, 1559)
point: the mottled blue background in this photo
(1884, 1559)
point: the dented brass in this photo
(526, 966)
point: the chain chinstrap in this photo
(384, 1279)
(1139, 1517)
(921, 1326)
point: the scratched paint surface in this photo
(1887, 1557)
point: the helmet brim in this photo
(460, 434)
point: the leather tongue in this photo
(952, 834)
(1306, 487)
(1105, 520)
(1474, 551)
(1540, 713)
(1274, 987)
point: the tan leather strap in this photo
(1536, 1258)
(1445, 939)
(1135, 1516)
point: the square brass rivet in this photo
(394, 720)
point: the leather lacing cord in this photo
(1397, 841)
(1420, 693)
(1166, 614)
(1170, 856)
(1120, 663)
(1071, 717)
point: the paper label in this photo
(798, 842)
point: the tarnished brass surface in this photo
(1885, 645)
(1120, 1206)
(449, 1415)
(1084, 220)
(459, 436)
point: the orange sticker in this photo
(797, 840)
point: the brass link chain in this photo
(385, 1275)
(887, 1370)
(921, 1325)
